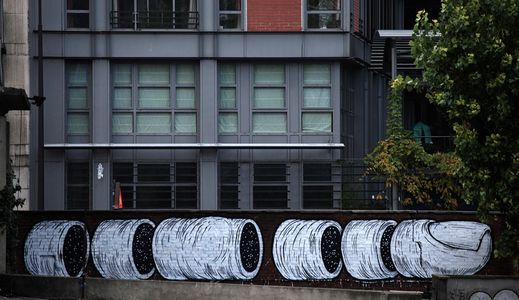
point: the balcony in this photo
(154, 20)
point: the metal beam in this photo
(197, 146)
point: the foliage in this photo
(470, 61)
(8, 202)
(403, 161)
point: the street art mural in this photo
(210, 248)
(308, 249)
(501, 295)
(57, 248)
(280, 250)
(121, 249)
(380, 249)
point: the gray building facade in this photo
(192, 105)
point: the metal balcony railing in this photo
(154, 19)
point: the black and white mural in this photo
(219, 248)
(211, 248)
(121, 249)
(57, 248)
(501, 295)
(308, 249)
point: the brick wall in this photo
(274, 15)
(276, 248)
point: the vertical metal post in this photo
(41, 191)
(394, 187)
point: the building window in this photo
(270, 188)
(78, 185)
(229, 174)
(156, 14)
(269, 106)
(227, 102)
(142, 99)
(78, 14)
(317, 186)
(77, 98)
(230, 14)
(317, 110)
(323, 14)
(153, 185)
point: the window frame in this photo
(324, 183)
(241, 13)
(265, 184)
(69, 185)
(85, 110)
(313, 110)
(338, 12)
(226, 110)
(77, 11)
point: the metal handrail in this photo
(154, 19)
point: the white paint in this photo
(43, 251)
(361, 242)
(205, 248)
(100, 171)
(421, 248)
(112, 250)
(506, 295)
(297, 249)
(480, 296)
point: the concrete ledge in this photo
(99, 288)
(463, 287)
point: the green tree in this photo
(470, 61)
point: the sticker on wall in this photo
(57, 248)
(121, 249)
(366, 249)
(501, 295)
(420, 248)
(308, 249)
(210, 248)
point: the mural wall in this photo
(339, 249)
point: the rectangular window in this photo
(317, 103)
(323, 14)
(227, 102)
(230, 14)
(317, 186)
(153, 99)
(270, 190)
(78, 95)
(155, 185)
(78, 14)
(229, 174)
(269, 106)
(157, 14)
(78, 185)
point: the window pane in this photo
(317, 122)
(269, 74)
(229, 173)
(269, 122)
(77, 4)
(78, 20)
(77, 98)
(78, 197)
(122, 98)
(227, 97)
(230, 21)
(153, 97)
(316, 97)
(317, 172)
(154, 74)
(324, 21)
(123, 172)
(153, 122)
(77, 74)
(269, 98)
(153, 173)
(185, 74)
(270, 197)
(270, 172)
(122, 74)
(316, 74)
(230, 4)
(185, 98)
(186, 197)
(153, 197)
(229, 197)
(227, 74)
(228, 123)
(323, 5)
(122, 123)
(186, 172)
(77, 123)
(185, 122)
(78, 173)
(318, 197)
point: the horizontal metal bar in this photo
(198, 146)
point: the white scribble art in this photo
(480, 296)
(121, 249)
(100, 171)
(57, 248)
(210, 248)
(307, 249)
(365, 249)
(501, 295)
(421, 248)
